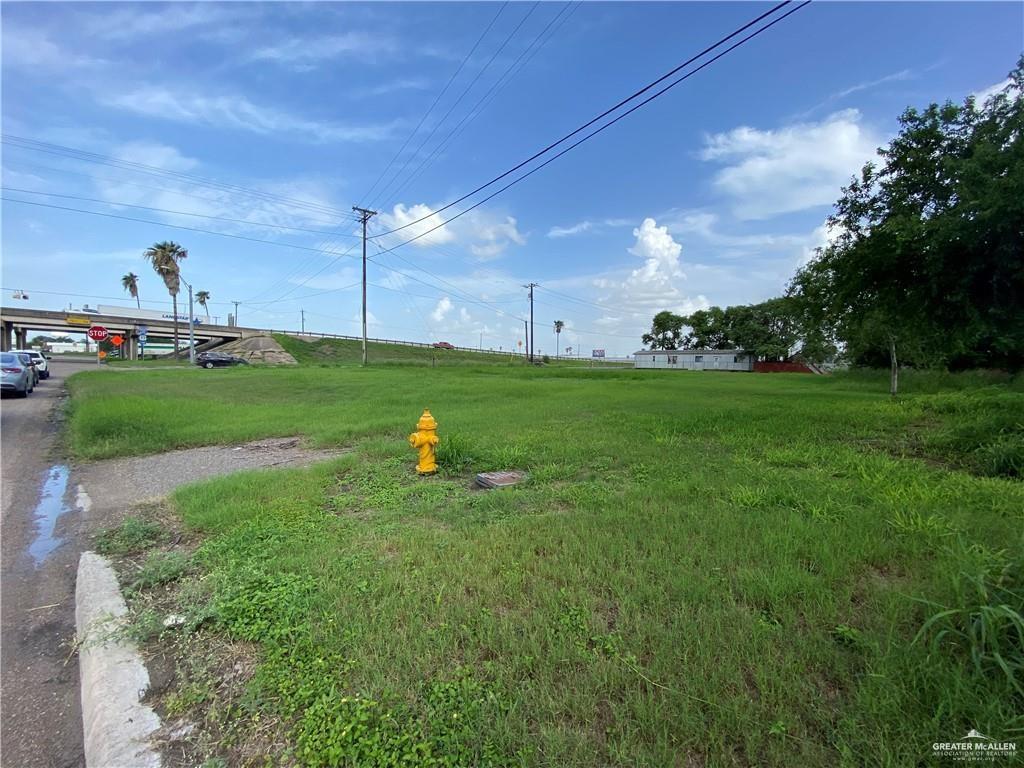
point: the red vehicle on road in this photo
(443, 345)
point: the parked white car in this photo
(40, 360)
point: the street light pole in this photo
(191, 325)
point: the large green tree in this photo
(164, 258)
(666, 331)
(928, 260)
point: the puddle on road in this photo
(50, 507)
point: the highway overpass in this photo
(19, 323)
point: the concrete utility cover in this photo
(499, 479)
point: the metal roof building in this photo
(695, 359)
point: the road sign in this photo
(117, 341)
(77, 319)
(142, 338)
(101, 354)
(598, 353)
(97, 333)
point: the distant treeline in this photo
(925, 263)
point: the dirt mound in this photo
(260, 348)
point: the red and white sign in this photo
(97, 333)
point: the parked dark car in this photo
(218, 360)
(443, 345)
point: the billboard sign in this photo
(597, 353)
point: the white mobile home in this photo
(695, 359)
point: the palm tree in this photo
(202, 297)
(559, 325)
(165, 257)
(130, 283)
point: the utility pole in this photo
(531, 286)
(303, 321)
(364, 216)
(191, 325)
(236, 303)
(526, 337)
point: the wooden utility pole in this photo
(364, 216)
(531, 286)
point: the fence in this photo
(764, 367)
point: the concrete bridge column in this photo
(5, 337)
(21, 338)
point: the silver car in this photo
(17, 377)
(26, 359)
(39, 360)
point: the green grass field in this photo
(702, 568)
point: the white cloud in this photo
(305, 52)
(189, 198)
(30, 49)
(575, 229)
(655, 286)
(444, 306)
(493, 237)
(401, 216)
(485, 234)
(660, 251)
(796, 167)
(987, 93)
(704, 225)
(587, 226)
(128, 24)
(234, 113)
(394, 86)
(904, 74)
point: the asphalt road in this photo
(42, 536)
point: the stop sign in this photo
(97, 333)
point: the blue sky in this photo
(282, 116)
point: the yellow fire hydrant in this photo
(425, 440)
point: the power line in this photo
(103, 298)
(462, 95)
(436, 100)
(454, 289)
(491, 93)
(601, 116)
(592, 134)
(92, 157)
(125, 183)
(165, 210)
(165, 224)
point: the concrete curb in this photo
(116, 726)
